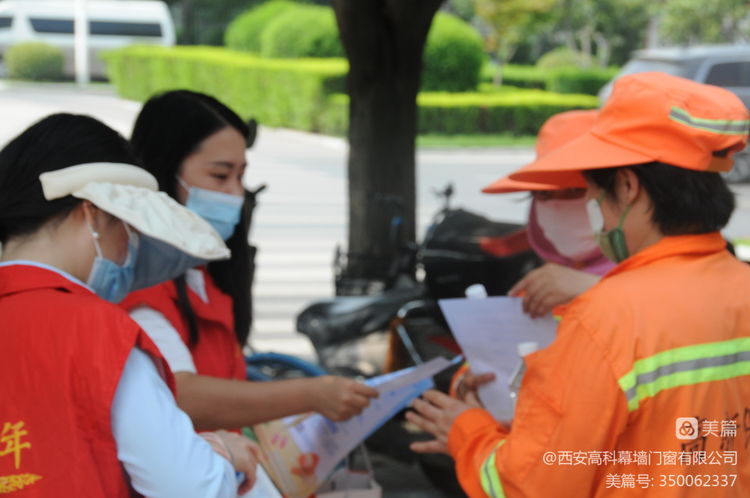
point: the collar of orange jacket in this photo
(678, 245)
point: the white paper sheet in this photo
(489, 331)
(332, 441)
(410, 376)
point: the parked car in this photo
(726, 66)
(112, 24)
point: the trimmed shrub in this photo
(560, 80)
(305, 94)
(520, 113)
(35, 61)
(494, 90)
(574, 80)
(304, 31)
(290, 93)
(563, 57)
(334, 120)
(487, 73)
(453, 55)
(524, 76)
(517, 112)
(245, 31)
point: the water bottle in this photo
(514, 382)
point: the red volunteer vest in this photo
(217, 353)
(62, 351)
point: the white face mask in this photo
(565, 223)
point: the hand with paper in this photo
(242, 453)
(301, 452)
(339, 398)
(489, 332)
(435, 413)
(549, 286)
(470, 382)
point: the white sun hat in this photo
(172, 238)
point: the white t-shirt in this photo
(164, 335)
(156, 442)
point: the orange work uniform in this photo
(644, 392)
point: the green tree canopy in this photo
(699, 21)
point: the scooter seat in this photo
(336, 320)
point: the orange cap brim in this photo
(563, 166)
(505, 186)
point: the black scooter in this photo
(460, 249)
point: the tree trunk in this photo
(188, 22)
(603, 50)
(585, 37)
(497, 78)
(383, 40)
(503, 57)
(653, 32)
(568, 25)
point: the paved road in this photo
(302, 216)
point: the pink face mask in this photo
(565, 224)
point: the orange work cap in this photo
(555, 132)
(652, 117)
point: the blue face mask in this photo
(109, 280)
(221, 210)
(159, 262)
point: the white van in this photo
(112, 24)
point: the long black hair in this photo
(169, 128)
(54, 143)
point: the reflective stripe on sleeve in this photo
(490, 478)
(685, 366)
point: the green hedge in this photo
(560, 80)
(244, 32)
(304, 31)
(522, 76)
(574, 80)
(519, 112)
(305, 94)
(453, 56)
(35, 61)
(290, 93)
(563, 57)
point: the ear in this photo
(627, 186)
(88, 212)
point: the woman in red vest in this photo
(195, 147)
(88, 408)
